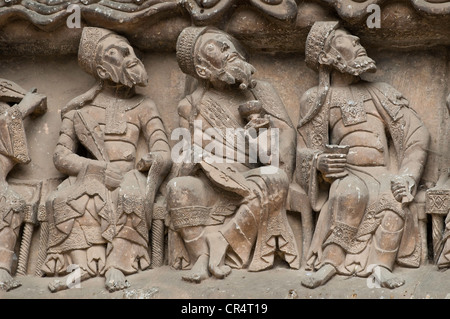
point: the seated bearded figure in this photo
(227, 207)
(363, 150)
(15, 106)
(100, 216)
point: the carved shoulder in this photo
(307, 101)
(147, 110)
(69, 115)
(148, 104)
(391, 93)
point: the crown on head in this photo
(91, 38)
(316, 40)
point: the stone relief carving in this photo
(222, 208)
(368, 148)
(48, 14)
(157, 23)
(100, 215)
(209, 11)
(353, 168)
(15, 105)
(358, 9)
(438, 206)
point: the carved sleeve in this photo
(415, 139)
(153, 128)
(310, 139)
(279, 118)
(65, 158)
(184, 111)
(409, 134)
(305, 167)
(287, 140)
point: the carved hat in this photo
(186, 46)
(316, 40)
(90, 45)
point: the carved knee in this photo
(392, 222)
(185, 191)
(350, 198)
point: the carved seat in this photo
(302, 225)
(438, 206)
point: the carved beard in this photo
(237, 73)
(357, 66)
(129, 76)
(136, 74)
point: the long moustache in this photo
(243, 76)
(137, 74)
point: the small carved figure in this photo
(362, 151)
(15, 105)
(100, 216)
(225, 212)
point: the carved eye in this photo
(112, 52)
(210, 47)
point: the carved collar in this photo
(350, 100)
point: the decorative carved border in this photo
(262, 25)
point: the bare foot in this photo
(69, 281)
(57, 285)
(7, 282)
(115, 280)
(319, 277)
(217, 249)
(199, 271)
(387, 279)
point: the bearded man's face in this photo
(225, 62)
(348, 55)
(122, 65)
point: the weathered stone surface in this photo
(405, 24)
(412, 52)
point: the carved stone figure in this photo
(363, 150)
(99, 217)
(227, 207)
(438, 205)
(15, 105)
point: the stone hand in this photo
(332, 165)
(401, 188)
(33, 103)
(113, 176)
